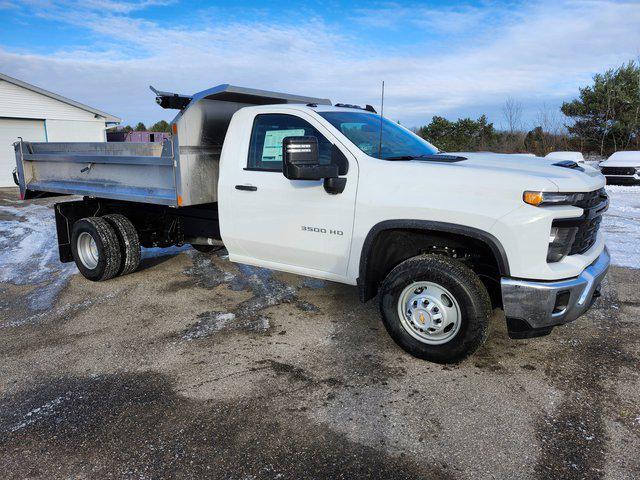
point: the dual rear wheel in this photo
(105, 247)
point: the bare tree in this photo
(512, 141)
(512, 112)
(553, 129)
(547, 118)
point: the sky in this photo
(436, 57)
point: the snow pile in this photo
(29, 252)
(212, 322)
(621, 225)
(208, 323)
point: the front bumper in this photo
(531, 306)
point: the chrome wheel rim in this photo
(87, 250)
(429, 313)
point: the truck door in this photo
(290, 225)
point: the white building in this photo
(40, 116)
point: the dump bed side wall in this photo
(142, 172)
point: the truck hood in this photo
(583, 179)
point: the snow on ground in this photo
(621, 225)
(29, 252)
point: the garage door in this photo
(10, 130)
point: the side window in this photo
(265, 149)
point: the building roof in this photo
(108, 117)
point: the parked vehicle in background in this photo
(622, 168)
(566, 155)
(337, 192)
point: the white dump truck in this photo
(338, 192)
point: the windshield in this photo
(363, 129)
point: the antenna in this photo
(381, 114)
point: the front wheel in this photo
(435, 308)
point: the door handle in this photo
(248, 188)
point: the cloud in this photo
(537, 53)
(106, 7)
(124, 7)
(447, 19)
(7, 5)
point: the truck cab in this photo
(341, 193)
(525, 226)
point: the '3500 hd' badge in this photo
(322, 230)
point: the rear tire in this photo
(129, 242)
(444, 304)
(95, 249)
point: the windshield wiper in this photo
(408, 157)
(401, 157)
(438, 157)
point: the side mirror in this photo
(300, 160)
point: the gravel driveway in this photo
(194, 367)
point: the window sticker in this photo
(272, 150)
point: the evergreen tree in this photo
(607, 114)
(161, 126)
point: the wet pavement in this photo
(193, 367)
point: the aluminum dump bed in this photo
(139, 172)
(181, 171)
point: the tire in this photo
(456, 314)
(207, 248)
(129, 242)
(101, 262)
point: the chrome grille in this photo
(592, 199)
(594, 205)
(586, 236)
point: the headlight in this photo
(540, 199)
(560, 242)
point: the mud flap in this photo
(67, 213)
